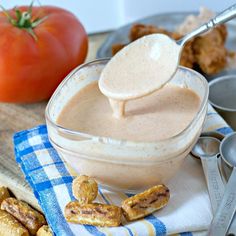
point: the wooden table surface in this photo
(14, 118)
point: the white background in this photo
(103, 15)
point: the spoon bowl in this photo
(205, 147)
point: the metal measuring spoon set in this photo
(222, 197)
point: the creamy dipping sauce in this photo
(139, 69)
(161, 115)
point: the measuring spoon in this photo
(207, 149)
(227, 207)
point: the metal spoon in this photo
(156, 48)
(207, 149)
(227, 207)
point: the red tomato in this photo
(35, 59)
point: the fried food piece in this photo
(44, 231)
(222, 30)
(93, 214)
(9, 226)
(29, 217)
(187, 56)
(116, 48)
(145, 203)
(85, 189)
(208, 49)
(3, 194)
(210, 52)
(139, 30)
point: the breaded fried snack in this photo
(210, 52)
(3, 194)
(145, 203)
(29, 217)
(139, 30)
(116, 48)
(9, 226)
(208, 49)
(93, 214)
(85, 189)
(44, 231)
(187, 56)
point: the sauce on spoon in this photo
(139, 69)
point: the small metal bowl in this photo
(223, 97)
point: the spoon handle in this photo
(226, 210)
(221, 18)
(214, 181)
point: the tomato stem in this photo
(24, 19)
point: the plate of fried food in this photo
(212, 54)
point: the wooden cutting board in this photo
(14, 118)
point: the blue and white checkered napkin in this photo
(188, 210)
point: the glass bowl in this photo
(122, 164)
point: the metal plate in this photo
(169, 21)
